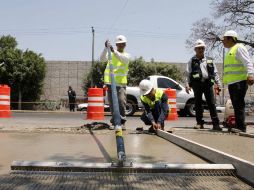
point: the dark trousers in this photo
(237, 92)
(205, 88)
(72, 103)
(121, 94)
(155, 112)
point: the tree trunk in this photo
(20, 100)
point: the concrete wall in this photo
(62, 74)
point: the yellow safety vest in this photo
(120, 71)
(158, 95)
(234, 70)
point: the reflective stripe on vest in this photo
(158, 95)
(120, 71)
(234, 70)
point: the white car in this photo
(83, 107)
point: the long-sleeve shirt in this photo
(123, 57)
(164, 110)
(203, 67)
(242, 55)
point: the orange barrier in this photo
(171, 93)
(95, 108)
(5, 111)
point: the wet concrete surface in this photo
(140, 148)
(53, 137)
(239, 146)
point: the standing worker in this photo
(72, 98)
(120, 61)
(155, 102)
(238, 72)
(201, 75)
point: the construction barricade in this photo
(5, 92)
(171, 93)
(95, 108)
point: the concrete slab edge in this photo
(245, 169)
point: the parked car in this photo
(83, 107)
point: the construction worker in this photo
(120, 61)
(155, 102)
(238, 72)
(201, 76)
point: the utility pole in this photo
(92, 54)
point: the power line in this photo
(118, 16)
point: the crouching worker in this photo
(155, 102)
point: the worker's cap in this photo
(145, 87)
(230, 33)
(199, 43)
(121, 39)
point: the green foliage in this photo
(138, 70)
(24, 71)
(8, 42)
(97, 74)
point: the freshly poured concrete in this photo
(140, 148)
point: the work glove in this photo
(187, 89)
(217, 89)
(250, 80)
(107, 43)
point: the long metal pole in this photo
(116, 115)
(92, 54)
(223, 86)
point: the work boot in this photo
(123, 127)
(139, 129)
(199, 126)
(216, 124)
(111, 127)
(217, 128)
(151, 130)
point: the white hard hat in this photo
(231, 33)
(145, 87)
(121, 39)
(199, 43)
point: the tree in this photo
(236, 14)
(24, 71)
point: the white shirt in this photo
(242, 55)
(203, 67)
(123, 57)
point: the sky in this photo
(61, 29)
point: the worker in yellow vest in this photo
(155, 102)
(238, 73)
(120, 61)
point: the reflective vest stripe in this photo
(4, 97)
(234, 72)
(95, 104)
(234, 65)
(117, 67)
(4, 103)
(116, 74)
